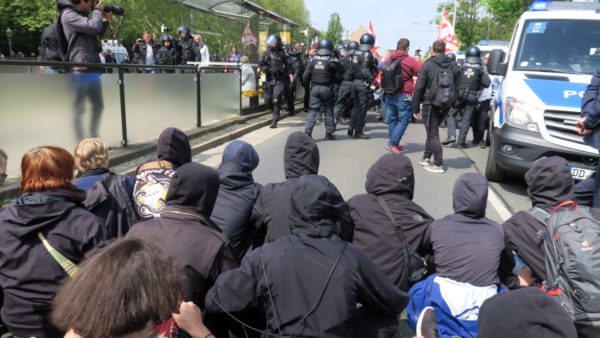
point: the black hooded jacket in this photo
(237, 195)
(29, 276)
(528, 312)
(549, 183)
(426, 78)
(309, 269)
(392, 179)
(186, 233)
(270, 214)
(467, 246)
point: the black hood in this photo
(316, 206)
(526, 312)
(549, 182)
(174, 146)
(392, 173)
(301, 155)
(238, 162)
(470, 195)
(195, 187)
(441, 60)
(62, 4)
(33, 212)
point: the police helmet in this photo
(325, 47)
(166, 37)
(340, 50)
(367, 41)
(274, 41)
(183, 29)
(352, 45)
(473, 55)
(452, 57)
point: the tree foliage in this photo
(484, 19)
(335, 29)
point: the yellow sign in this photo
(262, 41)
(286, 37)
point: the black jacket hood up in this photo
(316, 207)
(62, 4)
(392, 173)
(174, 146)
(441, 60)
(194, 187)
(470, 195)
(301, 156)
(549, 182)
(238, 162)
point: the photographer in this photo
(144, 51)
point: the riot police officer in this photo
(276, 65)
(296, 68)
(344, 96)
(471, 80)
(185, 47)
(167, 54)
(322, 72)
(364, 68)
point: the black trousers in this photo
(278, 91)
(290, 95)
(321, 97)
(468, 109)
(360, 97)
(432, 116)
(480, 119)
(343, 101)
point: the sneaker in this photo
(329, 136)
(344, 121)
(361, 136)
(482, 144)
(350, 132)
(426, 324)
(395, 149)
(434, 168)
(448, 141)
(424, 162)
(273, 125)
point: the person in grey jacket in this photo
(82, 32)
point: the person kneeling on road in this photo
(322, 72)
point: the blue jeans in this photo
(399, 113)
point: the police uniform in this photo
(322, 73)
(296, 68)
(186, 50)
(344, 97)
(275, 64)
(364, 70)
(471, 81)
(167, 56)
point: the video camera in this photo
(112, 9)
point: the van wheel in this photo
(492, 171)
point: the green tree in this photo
(335, 29)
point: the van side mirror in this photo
(495, 65)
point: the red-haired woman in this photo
(49, 208)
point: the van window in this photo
(561, 46)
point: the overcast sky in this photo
(392, 19)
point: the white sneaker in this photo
(424, 162)
(434, 168)
(426, 324)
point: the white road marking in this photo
(498, 204)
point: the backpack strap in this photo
(539, 214)
(69, 267)
(389, 214)
(573, 204)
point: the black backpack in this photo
(391, 79)
(443, 91)
(54, 45)
(109, 200)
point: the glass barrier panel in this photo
(220, 95)
(56, 109)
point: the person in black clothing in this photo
(392, 179)
(276, 65)
(237, 195)
(50, 209)
(310, 281)
(167, 54)
(364, 68)
(322, 73)
(295, 58)
(311, 53)
(471, 80)
(185, 46)
(271, 210)
(344, 95)
(432, 115)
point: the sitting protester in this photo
(310, 281)
(152, 179)
(47, 217)
(237, 194)
(101, 301)
(467, 249)
(270, 214)
(108, 194)
(390, 181)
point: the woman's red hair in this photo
(45, 168)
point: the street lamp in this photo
(9, 36)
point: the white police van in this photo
(553, 53)
(118, 51)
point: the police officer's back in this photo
(364, 69)
(322, 72)
(276, 65)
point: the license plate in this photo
(580, 174)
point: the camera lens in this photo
(116, 10)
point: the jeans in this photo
(399, 113)
(432, 117)
(87, 86)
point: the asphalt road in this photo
(346, 161)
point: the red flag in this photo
(315, 41)
(375, 49)
(446, 34)
(247, 37)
